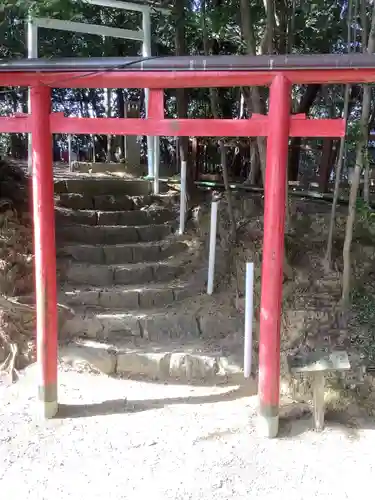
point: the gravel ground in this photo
(123, 439)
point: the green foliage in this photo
(363, 304)
(53, 7)
(305, 27)
(353, 133)
(365, 213)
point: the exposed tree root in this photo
(17, 317)
(17, 334)
(8, 366)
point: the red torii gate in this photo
(280, 72)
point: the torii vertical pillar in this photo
(273, 256)
(45, 249)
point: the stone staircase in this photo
(120, 261)
(135, 286)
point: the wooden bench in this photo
(316, 364)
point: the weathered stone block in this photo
(100, 186)
(88, 274)
(110, 202)
(94, 354)
(108, 218)
(138, 187)
(219, 325)
(167, 271)
(149, 253)
(154, 233)
(192, 367)
(65, 216)
(155, 298)
(114, 235)
(172, 248)
(96, 235)
(82, 297)
(165, 364)
(98, 167)
(75, 201)
(119, 324)
(118, 254)
(161, 216)
(83, 326)
(133, 218)
(184, 293)
(133, 275)
(84, 253)
(59, 187)
(172, 325)
(119, 299)
(141, 201)
(151, 364)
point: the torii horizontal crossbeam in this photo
(257, 126)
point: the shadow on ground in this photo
(118, 406)
(294, 425)
(295, 418)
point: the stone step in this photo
(105, 186)
(185, 360)
(117, 274)
(113, 235)
(128, 297)
(80, 201)
(97, 167)
(104, 324)
(122, 218)
(123, 253)
(156, 325)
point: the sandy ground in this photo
(123, 439)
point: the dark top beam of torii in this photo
(233, 63)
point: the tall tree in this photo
(182, 104)
(216, 114)
(254, 102)
(359, 164)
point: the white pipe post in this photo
(156, 164)
(211, 257)
(146, 52)
(32, 53)
(107, 107)
(93, 149)
(157, 157)
(183, 197)
(70, 151)
(248, 318)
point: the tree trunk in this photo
(360, 157)
(214, 98)
(256, 102)
(366, 178)
(326, 164)
(350, 98)
(307, 101)
(181, 96)
(120, 141)
(267, 42)
(291, 28)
